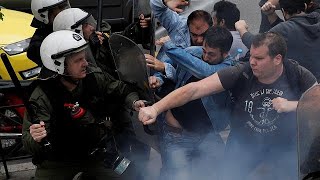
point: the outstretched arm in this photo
(190, 60)
(181, 96)
(165, 13)
(175, 25)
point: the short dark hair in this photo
(274, 41)
(219, 37)
(228, 11)
(293, 6)
(200, 14)
(312, 6)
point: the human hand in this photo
(137, 105)
(162, 40)
(268, 8)
(100, 36)
(283, 105)
(154, 82)
(174, 4)
(144, 22)
(275, 2)
(38, 131)
(148, 115)
(154, 63)
(241, 26)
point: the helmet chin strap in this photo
(70, 80)
(67, 77)
(73, 81)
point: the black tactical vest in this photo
(73, 139)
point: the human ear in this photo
(278, 59)
(222, 23)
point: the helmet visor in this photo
(69, 51)
(78, 68)
(89, 19)
(75, 62)
(61, 5)
(87, 68)
(79, 63)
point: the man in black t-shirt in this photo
(266, 92)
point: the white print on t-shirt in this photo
(266, 91)
(261, 111)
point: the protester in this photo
(226, 14)
(300, 30)
(266, 92)
(184, 137)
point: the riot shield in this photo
(308, 118)
(131, 67)
(131, 64)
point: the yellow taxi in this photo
(15, 35)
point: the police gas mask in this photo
(121, 164)
(113, 157)
(108, 148)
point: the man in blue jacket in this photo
(191, 143)
(184, 32)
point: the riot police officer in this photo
(68, 110)
(44, 12)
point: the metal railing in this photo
(12, 150)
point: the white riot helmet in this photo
(54, 49)
(73, 19)
(40, 8)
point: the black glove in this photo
(94, 40)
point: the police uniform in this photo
(73, 137)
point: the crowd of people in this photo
(211, 75)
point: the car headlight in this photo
(17, 47)
(30, 73)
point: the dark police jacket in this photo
(72, 139)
